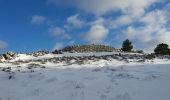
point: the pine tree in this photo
(162, 49)
(127, 46)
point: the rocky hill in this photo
(89, 48)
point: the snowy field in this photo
(101, 80)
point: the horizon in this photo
(29, 25)
(65, 47)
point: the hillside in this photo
(85, 76)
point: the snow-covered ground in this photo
(94, 80)
(66, 54)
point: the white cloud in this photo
(59, 33)
(99, 21)
(121, 21)
(74, 21)
(153, 32)
(3, 44)
(147, 27)
(157, 17)
(58, 46)
(37, 19)
(96, 34)
(132, 10)
(99, 7)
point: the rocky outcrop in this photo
(90, 48)
(1, 58)
(40, 53)
(57, 52)
(9, 55)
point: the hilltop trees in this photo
(162, 49)
(127, 46)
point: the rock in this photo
(33, 65)
(12, 54)
(8, 69)
(40, 53)
(57, 52)
(150, 56)
(11, 77)
(1, 58)
(9, 55)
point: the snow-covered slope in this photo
(66, 54)
(93, 80)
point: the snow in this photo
(66, 54)
(94, 80)
(25, 57)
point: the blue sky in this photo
(30, 25)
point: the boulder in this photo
(40, 53)
(1, 58)
(57, 52)
(9, 55)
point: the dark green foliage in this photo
(162, 49)
(150, 56)
(127, 46)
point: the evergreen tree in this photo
(127, 46)
(162, 49)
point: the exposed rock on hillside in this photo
(40, 53)
(57, 52)
(1, 58)
(9, 55)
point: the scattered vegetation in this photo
(127, 46)
(89, 48)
